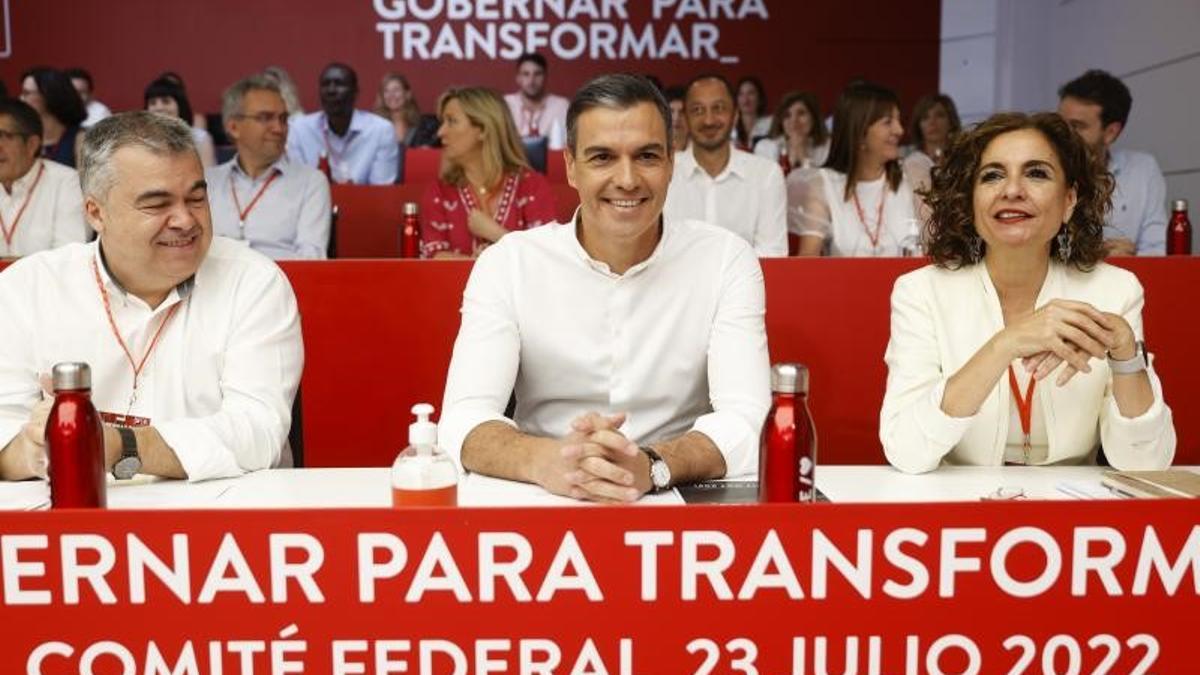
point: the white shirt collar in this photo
(602, 267)
(280, 165)
(21, 185)
(181, 291)
(736, 165)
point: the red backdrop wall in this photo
(802, 44)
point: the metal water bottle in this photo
(75, 441)
(785, 161)
(410, 232)
(1179, 229)
(788, 457)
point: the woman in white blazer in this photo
(1018, 345)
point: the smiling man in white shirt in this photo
(720, 184)
(193, 341)
(634, 344)
(279, 207)
(41, 206)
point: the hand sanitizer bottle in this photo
(422, 474)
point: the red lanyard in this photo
(335, 159)
(249, 207)
(1024, 408)
(136, 366)
(862, 217)
(9, 234)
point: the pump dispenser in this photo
(422, 474)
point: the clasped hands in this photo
(595, 462)
(1067, 331)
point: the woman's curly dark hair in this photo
(950, 235)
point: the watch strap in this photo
(1137, 364)
(128, 442)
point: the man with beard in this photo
(280, 207)
(359, 146)
(536, 112)
(719, 184)
(1097, 105)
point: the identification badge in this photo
(128, 421)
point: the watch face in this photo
(660, 474)
(127, 467)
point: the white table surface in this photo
(370, 487)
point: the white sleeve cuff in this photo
(941, 429)
(737, 443)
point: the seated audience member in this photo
(485, 189)
(359, 146)
(1097, 105)
(753, 122)
(198, 118)
(722, 185)
(859, 203)
(676, 98)
(396, 104)
(193, 341)
(634, 344)
(796, 139)
(41, 206)
(1018, 346)
(167, 97)
(280, 207)
(934, 123)
(51, 94)
(287, 88)
(85, 86)
(535, 111)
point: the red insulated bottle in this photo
(1179, 229)
(785, 162)
(788, 457)
(75, 441)
(410, 232)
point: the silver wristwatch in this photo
(129, 464)
(660, 473)
(1129, 366)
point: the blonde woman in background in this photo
(395, 103)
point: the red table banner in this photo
(1023, 587)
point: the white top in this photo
(941, 318)
(55, 213)
(550, 120)
(219, 385)
(678, 341)
(747, 198)
(290, 220)
(96, 111)
(817, 207)
(918, 168)
(771, 148)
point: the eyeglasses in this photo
(1005, 493)
(265, 118)
(6, 135)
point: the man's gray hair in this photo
(231, 100)
(160, 134)
(620, 91)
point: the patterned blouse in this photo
(524, 200)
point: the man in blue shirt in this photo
(1096, 105)
(360, 146)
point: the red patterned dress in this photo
(522, 201)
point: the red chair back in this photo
(556, 167)
(566, 200)
(369, 218)
(421, 165)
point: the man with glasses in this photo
(719, 184)
(279, 207)
(41, 205)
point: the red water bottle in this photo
(410, 232)
(75, 441)
(324, 167)
(1179, 229)
(788, 457)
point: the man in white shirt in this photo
(193, 341)
(41, 206)
(1097, 106)
(620, 329)
(86, 86)
(280, 207)
(536, 112)
(360, 146)
(717, 183)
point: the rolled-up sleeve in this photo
(916, 434)
(1147, 441)
(262, 362)
(486, 354)
(738, 364)
(19, 388)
